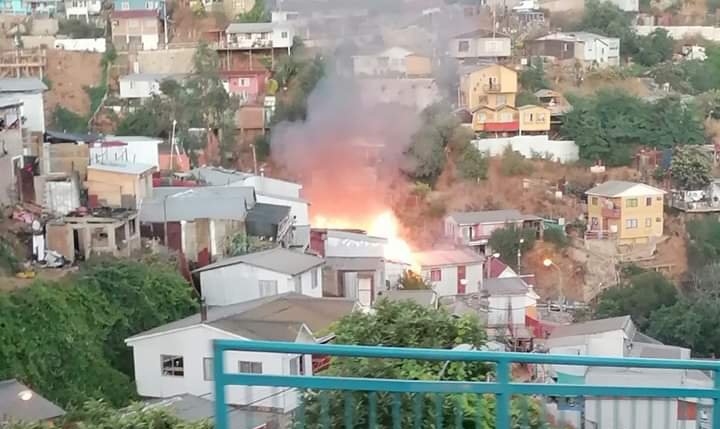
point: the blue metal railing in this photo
(502, 388)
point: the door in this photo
(365, 291)
(461, 281)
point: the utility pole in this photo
(165, 19)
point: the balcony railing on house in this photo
(353, 402)
(492, 88)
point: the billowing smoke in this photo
(347, 153)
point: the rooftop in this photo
(157, 77)
(135, 169)
(22, 84)
(279, 317)
(592, 327)
(191, 408)
(201, 202)
(134, 14)
(618, 188)
(35, 409)
(354, 263)
(505, 286)
(490, 216)
(254, 27)
(438, 258)
(278, 259)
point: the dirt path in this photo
(69, 73)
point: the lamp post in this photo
(549, 263)
(519, 254)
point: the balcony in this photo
(492, 88)
(501, 402)
(245, 44)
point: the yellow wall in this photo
(475, 85)
(641, 213)
(417, 65)
(491, 116)
(535, 118)
(110, 186)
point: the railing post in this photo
(221, 416)
(502, 399)
(716, 401)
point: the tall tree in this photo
(506, 242)
(691, 168)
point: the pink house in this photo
(474, 229)
(249, 85)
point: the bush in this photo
(514, 164)
(78, 29)
(69, 121)
(557, 237)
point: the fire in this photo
(384, 225)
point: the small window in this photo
(284, 34)
(594, 201)
(298, 284)
(268, 287)
(463, 46)
(658, 220)
(648, 201)
(565, 47)
(208, 369)
(631, 223)
(631, 202)
(315, 278)
(247, 367)
(172, 366)
(648, 222)
(435, 275)
(482, 117)
(658, 199)
(295, 366)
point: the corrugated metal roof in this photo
(439, 258)
(273, 317)
(491, 216)
(251, 27)
(191, 408)
(36, 409)
(176, 204)
(122, 168)
(592, 327)
(505, 286)
(278, 259)
(22, 84)
(619, 188)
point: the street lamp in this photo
(519, 254)
(549, 263)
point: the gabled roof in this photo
(481, 32)
(278, 259)
(448, 257)
(279, 317)
(22, 84)
(533, 106)
(490, 216)
(496, 267)
(497, 108)
(134, 169)
(176, 204)
(618, 188)
(34, 409)
(505, 286)
(592, 327)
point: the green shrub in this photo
(514, 164)
(557, 237)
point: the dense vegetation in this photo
(407, 324)
(66, 338)
(506, 242)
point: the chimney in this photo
(203, 310)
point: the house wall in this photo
(418, 65)
(498, 309)
(480, 47)
(33, 109)
(298, 208)
(59, 197)
(560, 49)
(136, 33)
(64, 158)
(117, 189)
(642, 213)
(82, 9)
(270, 186)
(240, 283)
(133, 88)
(476, 86)
(486, 115)
(534, 119)
(83, 45)
(11, 141)
(559, 150)
(143, 151)
(195, 344)
(344, 246)
(448, 284)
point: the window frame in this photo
(262, 284)
(172, 370)
(253, 367)
(463, 46)
(631, 203)
(631, 223)
(648, 201)
(208, 370)
(434, 277)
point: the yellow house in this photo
(119, 185)
(534, 118)
(498, 119)
(627, 211)
(492, 86)
(418, 65)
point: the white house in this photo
(619, 337)
(142, 85)
(30, 91)
(592, 49)
(474, 229)
(138, 149)
(510, 299)
(416, 93)
(177, 358)
(260, 35)
(82, 9)
(255, 275)
(452, 271)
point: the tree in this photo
(533, 77)
(258, 13)
(514, 164)
(703, 241)
(638, 297)
(66, 338)
(691, 168)
(472, 165)
(242, 244)
(689, 323)
(654, 48)
(608, 19)
(506, 242)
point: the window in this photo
(463, 46)
(506, 117)
(501, 99)
(632, 202)
(658, 199)
(315, 278)
(172, 366)
(658, 220)
(298, 284)
(631, 223)
(247, 367)
(208, 369)
(244, 81)
(482, 117)
(528, 117)
(284, 34)
(648, 201)
(435, 275)
(648, 222)
(295, 366)
(125, 5)
(268, 287)
(594, 201)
